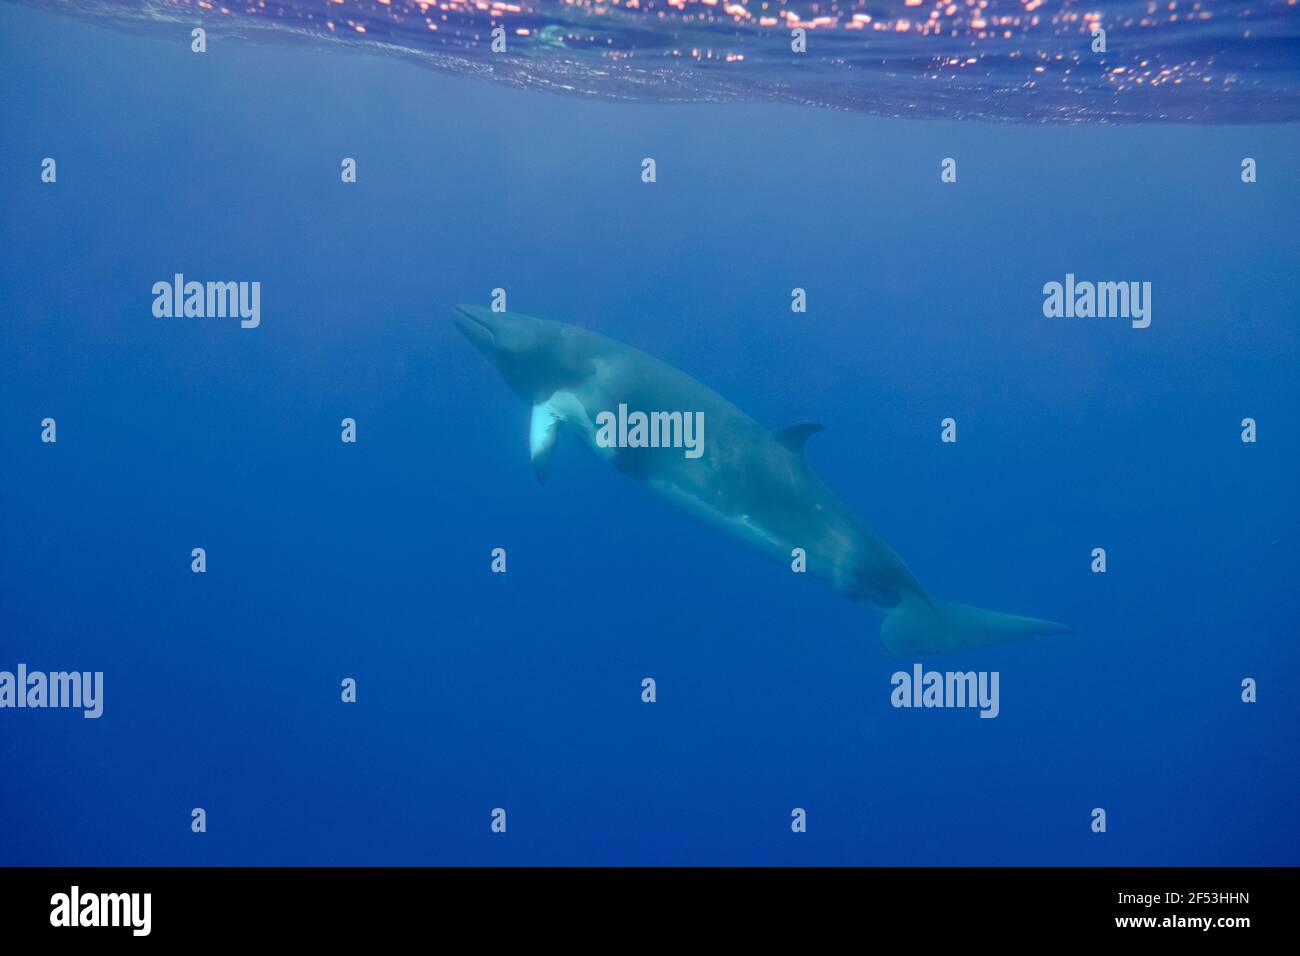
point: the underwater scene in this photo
(647, 433)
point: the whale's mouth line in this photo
(473, 326)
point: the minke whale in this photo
(751, 482)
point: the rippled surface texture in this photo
(1014, 60)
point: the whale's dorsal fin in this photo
(542, 430)
(794, 436)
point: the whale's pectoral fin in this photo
(542, 432)
(794, 436)
(915, 625)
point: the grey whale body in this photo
(753, 483)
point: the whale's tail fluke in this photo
(917, 624)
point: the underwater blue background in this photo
(522, 690)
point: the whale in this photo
(749, 481)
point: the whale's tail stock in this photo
(917, 623)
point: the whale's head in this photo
(535, 356)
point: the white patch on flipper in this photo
(541, 431)
(544, 426)
(566, 407)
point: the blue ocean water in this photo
(523, 690)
